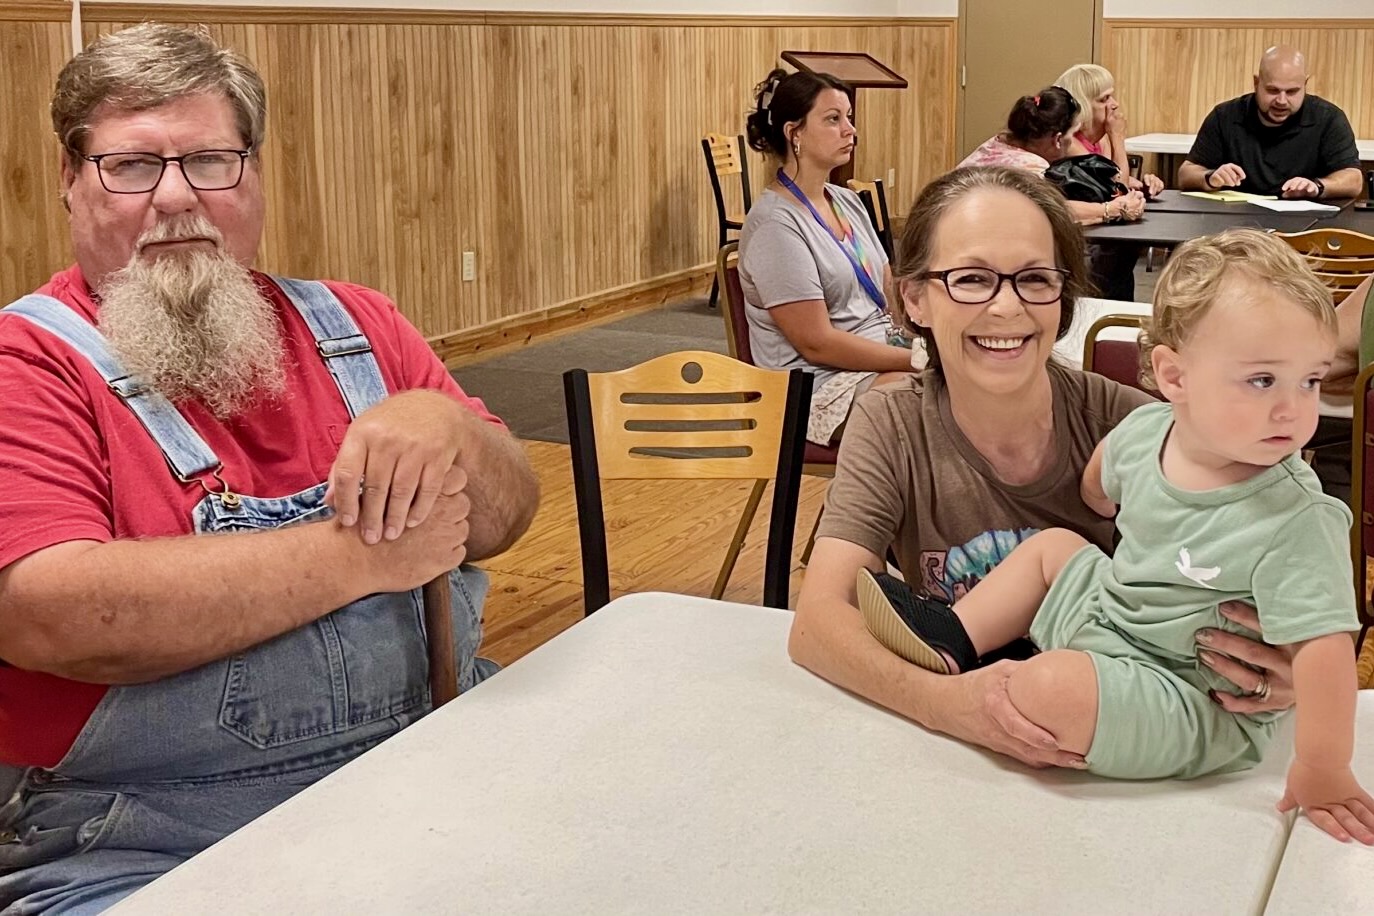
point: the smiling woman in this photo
(952, 468)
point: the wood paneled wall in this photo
(1169, 73)
(564, 151)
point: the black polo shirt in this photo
(1312, 143)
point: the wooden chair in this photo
(724, 158)
(1362, 496)
(689, 415)
(818, 460)
(875, 202)
(1340, 257)
(1118, 360)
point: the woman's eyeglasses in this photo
(976, 285)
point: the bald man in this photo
(1275, 140)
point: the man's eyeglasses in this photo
(139, 173)
(976, 285)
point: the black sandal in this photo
(913, 626)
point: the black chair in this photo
(874, 199)
(689, 415)
(725, 158)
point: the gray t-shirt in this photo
(786, 256)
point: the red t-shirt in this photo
(76, 464)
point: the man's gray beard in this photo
(195, 327)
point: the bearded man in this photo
(219, 494)
(1276, 140)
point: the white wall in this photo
(864, 8)
(1236, 9)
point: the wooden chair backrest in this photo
(689, 415)
(1341, 258)
(734, 311)
(1118, 360)
(725, 154)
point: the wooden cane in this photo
(443, 670)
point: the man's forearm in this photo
(131, 611)
(1192, 177)
(501, 485)
(1342, 183)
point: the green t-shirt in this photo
(1275, 541)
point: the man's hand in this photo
(1332, 799)
(1243, 661)
(392, 463)
(1229, 175)
(429, 549)
(1299, 187)
(984, 715)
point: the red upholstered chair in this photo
(1118, 360)
(819, 460)
(1362, 495)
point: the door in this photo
(1011, 48)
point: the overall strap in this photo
(185, 451)
(343, 346)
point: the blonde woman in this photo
(1101, 126)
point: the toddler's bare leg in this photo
(1000, 607)
(1057, 690)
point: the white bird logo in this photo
(1202, 575)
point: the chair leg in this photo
(715, 284)
(737, 542)
(811, 541)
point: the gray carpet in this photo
(525, 387)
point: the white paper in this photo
(1293, 206)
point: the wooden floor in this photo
(661, 536)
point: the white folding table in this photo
(666, 756)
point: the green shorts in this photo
(1154, 718)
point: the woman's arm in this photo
(1128, 207)
(829, 638)
(1113, 145)
(807, 327)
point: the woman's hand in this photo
(1131, 206)
(1116, 124)
(981, 712)
(1247, 663)
(1153, 185)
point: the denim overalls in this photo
(164, 769)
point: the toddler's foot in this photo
(921, 630)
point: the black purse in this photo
(1091, 177)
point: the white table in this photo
(1318, 875)
(1182, 144)
(665, 756)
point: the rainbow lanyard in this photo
(859, 259)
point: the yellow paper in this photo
(1229, 197)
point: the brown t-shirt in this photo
(907, 477)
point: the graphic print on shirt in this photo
(1200, 575)
(948, 575)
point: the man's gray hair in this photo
(147, 66)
